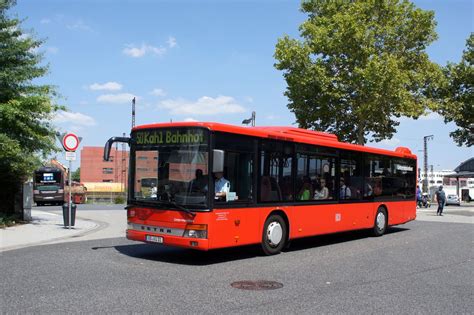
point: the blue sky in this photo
(199, 60)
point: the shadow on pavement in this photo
(187, 256)
(200, 258)
(336, 238)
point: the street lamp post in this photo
(425, 162)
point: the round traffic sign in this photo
(70, 142)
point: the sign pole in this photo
(70, 199)
(70, 143)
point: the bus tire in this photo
(39, 204)
(274, 235)
(381, 222)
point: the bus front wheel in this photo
(381, 222)
(274, 235)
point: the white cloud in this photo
(79, 25)
(158, 92)
(108, 86)
(137, 52)
(203, 106)
(77, 119)
(45, 21)
(122, 98)
(390, 142)
(171, 42)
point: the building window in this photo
(107, 181)
(107, 170)
(142, 157)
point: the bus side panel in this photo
(322, 219)
(410, 211)
(234, 227)
(400, 212)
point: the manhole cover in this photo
(257, 285)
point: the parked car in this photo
(453, 200)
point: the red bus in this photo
(218, 185)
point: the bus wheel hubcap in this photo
(380, 221)
(274, 233)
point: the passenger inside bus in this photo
(306, 189)
(345, 191)
(322, 192)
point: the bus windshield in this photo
(171, 167)
(49, 179)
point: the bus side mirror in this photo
(108, 145)
(218, 161)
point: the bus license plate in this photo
(154, 239)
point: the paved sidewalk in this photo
(452, 214)
(46, 227)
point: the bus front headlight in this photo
(196, 231)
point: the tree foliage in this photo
(25, 108)
(358, 66)
(458, 96)
(76, 175)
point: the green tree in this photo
(76, 175)
(358, 66)
(26, 134)
(458, 96)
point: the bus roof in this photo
(48, 169)
(285, 133)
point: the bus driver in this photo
(221, 186)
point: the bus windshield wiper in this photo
(147, 203)
(173, 203)
(162, 204)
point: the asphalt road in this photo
(420, 267)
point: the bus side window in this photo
(352, 176)
(276, 163)
(238, 166)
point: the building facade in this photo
(95, 169)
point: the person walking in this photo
(441, 199)
(418, 197)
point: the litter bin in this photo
(66, 214)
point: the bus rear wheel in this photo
(274, 235)
(381, 222)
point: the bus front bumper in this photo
(46, 198)
(169, 240)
